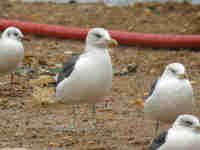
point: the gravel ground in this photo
(28, 121)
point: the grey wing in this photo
(153, 87)
(159, 141)
(67, 69)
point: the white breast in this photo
(171, 98)
(90, 80)
(181, 140)
(11, 54)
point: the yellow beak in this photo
(112, 43)
(183, 76)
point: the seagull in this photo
(87, 78)
(170, 96)
(12, 51)
(184, 135)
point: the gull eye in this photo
(15, 34)
(173, 71)
(188, 123)
(98, 35)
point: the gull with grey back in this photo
(171, 95)
(87, 78)
(184, 135)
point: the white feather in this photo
(11, 53)
(171, 98)
(182, 138)
(91, 78)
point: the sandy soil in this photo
(26, 122)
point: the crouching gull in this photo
(87, 78)
(184, 135)
(12, 51)
(171, 95)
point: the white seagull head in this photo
(188, 122)
(13, 33)
(99, 38)
(176, 70)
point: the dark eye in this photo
(98, 35)
(15, 34)
(173, 71)
(188, 123)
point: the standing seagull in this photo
(184, 135)
(170, 96)
(85, 79)
(11, 51)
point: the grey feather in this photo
(67, 69)
(159, 141)
(153, 87)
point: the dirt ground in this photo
(26, 121)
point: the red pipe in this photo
(130, 38)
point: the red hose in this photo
(130, 38)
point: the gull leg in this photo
(157, 127)
(11, 78)
(12, 81)
(94, 116)
(93, 120)
(74, 117)
(12, 75)
(72, 123)
(157, 124)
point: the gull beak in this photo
(112, 43)
(139, 102)
(197, 128)
(183, 76)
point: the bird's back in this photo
(67, 69)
